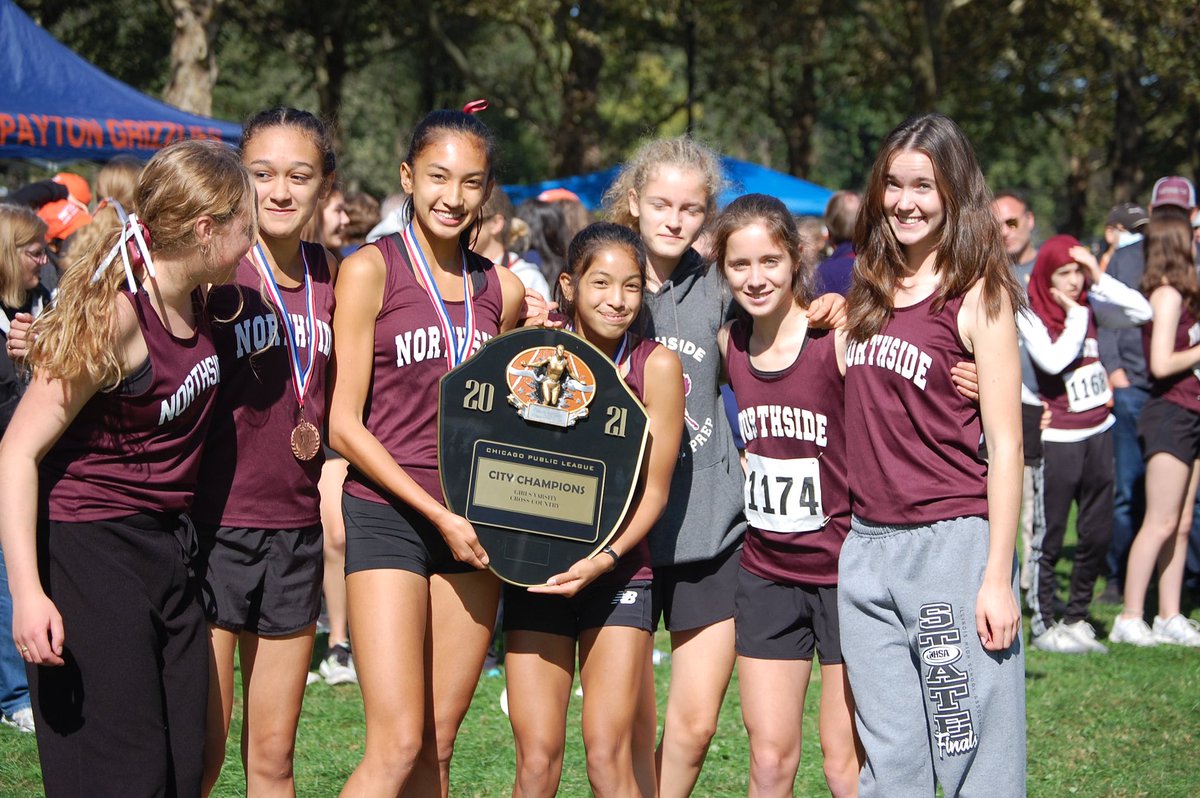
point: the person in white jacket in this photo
(1069, 297)
(492, 242)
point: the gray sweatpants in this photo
(931, 704)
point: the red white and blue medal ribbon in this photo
(456, 350)
(621, 354)
(301, 376)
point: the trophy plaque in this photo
(539, 446)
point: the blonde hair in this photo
(182, 183)
(118, 179)
(19, 227)
(91, 236)
(682, 152)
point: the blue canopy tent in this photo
(56, 106)
(801, 197)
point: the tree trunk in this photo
(1128, 130)
(193, 61)
(577, 143)
(804, 106)
(329, 34)
(1077, 194)
(928, 19)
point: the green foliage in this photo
(1080, 103)
(1124, 724)
(128, 39)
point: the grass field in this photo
(1125, 724)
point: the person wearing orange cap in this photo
(63, 217)
(62, 205)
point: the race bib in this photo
(784, 495)
(1087, 387)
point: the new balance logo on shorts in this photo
(625, 597)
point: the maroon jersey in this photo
(1079, 395)
(249, 476)
(636, 562)
(410, 358)
(912, 437)
(136, 448)
(793, 424)
(1181, 389)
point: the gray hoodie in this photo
(704, 511)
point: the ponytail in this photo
(77, 335)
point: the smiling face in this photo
(1069, 279)
(670, 211)
(759, 271)
(912, 203)
(448, 181)
(607, 296)
(286, 166)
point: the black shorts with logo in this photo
(596, 606)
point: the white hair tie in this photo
(132, 229)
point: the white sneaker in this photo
(1178, 630)
(1084, 633)
(1060, 640)
(338, 666)
(1132, 630)
(21, 720)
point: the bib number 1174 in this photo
(783, 495)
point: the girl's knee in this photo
(271, 754)
(841, 775)
(771, 764)
(696, 730)
(608, 761)
(538, 769)
(395, 748)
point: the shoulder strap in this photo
(476, 272)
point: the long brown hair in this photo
(1170, 257)
(780, 225)
(969, 246)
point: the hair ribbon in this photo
(475, 106)
(132, 228)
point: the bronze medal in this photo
(306, 440)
